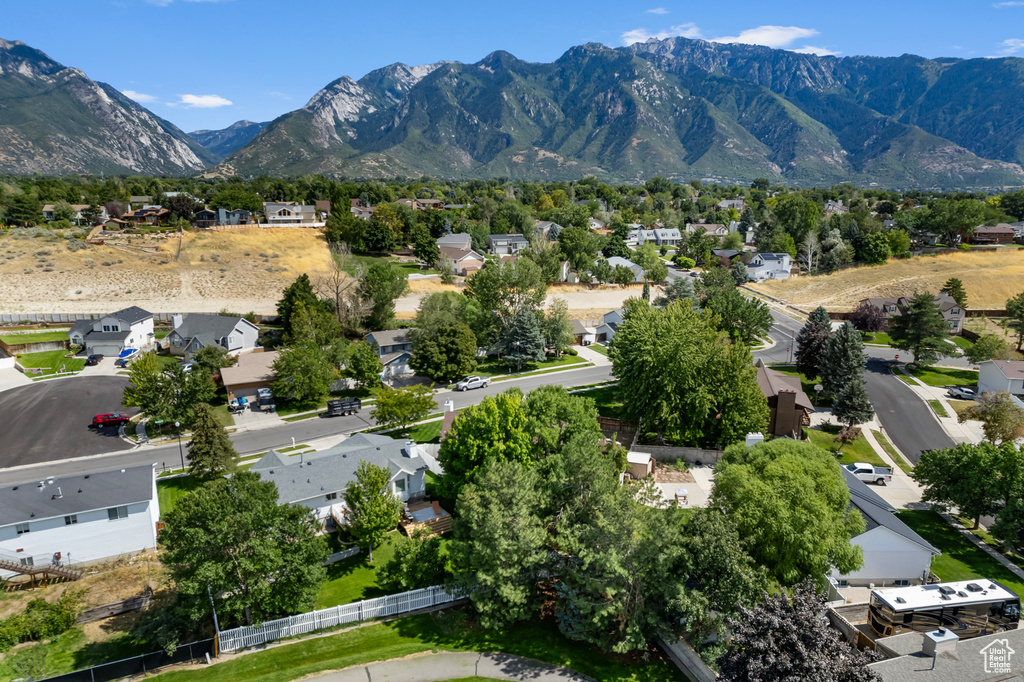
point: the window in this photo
(106, 327)
(901, 583)
(27, 561)
(21, 528)
(71, 520)
(400, 485)
(331, 496)
(115, 513)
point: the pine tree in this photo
(920, 329)
(955, 288)
(646, 295)
(852, 406)
(523, 343)
(843, 361)
(810, 343)
(210, 451)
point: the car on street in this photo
(472, 382)
(112, 419)
(962, 393)
(869, 473)
(94, 359)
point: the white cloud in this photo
(200, 102)
(657, 10)
(1012, 46)
(769, 36)
(640, 35)
(820, 51)
(1013, 3)
(138, 96)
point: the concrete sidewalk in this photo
(439, 667)
(592, 356)
(968, 432)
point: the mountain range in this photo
(678, 107)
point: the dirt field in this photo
(241, 270)
(989, 278)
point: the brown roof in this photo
(251, 368)
(1012, 369)
(322, 205)
(457, 254)
(772, 383)
(1001, 228)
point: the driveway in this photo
(431, 668)
(49, 420)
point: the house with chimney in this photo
(789, 408)
(194, 331)
(128, 328)
(953, 313)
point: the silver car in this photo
(962, 393)
(472, 382)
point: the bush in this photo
(418, 562)
(571, 351)
(39, 620)
(684, 262)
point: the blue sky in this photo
(208, 63)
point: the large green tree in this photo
(791, 506)
(920, 329)
(210, 452)
(811, 342)
(950, 478)
(554, 417)
(680, 377)
(303, 373)
(400, 407)
(299, 291)
(955, 219)
(382, 284)
(556, 327)
(955, 288)
(1002, 421)
(745, 320)
(523, 343)
(371, 509)
(446, 354)
(363, 364)
(502, 290)
(1015, 315)
(230, 536)
(579, 246)
(842, 374)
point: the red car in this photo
(110, 420)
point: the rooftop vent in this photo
(945, 589)
(962, 594)
(901, 600)
(14, 488)
(944, 597)
(973, 587)
(87, 475)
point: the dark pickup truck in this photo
(338, 408)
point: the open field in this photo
(241, 270)
(990, 278)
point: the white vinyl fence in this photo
(393, 604)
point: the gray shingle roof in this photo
(207, 327)
(74, 494)
(331, 470)
(390, 337)
(131, 314)
(877, 512)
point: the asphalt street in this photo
(909, 422)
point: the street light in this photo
(177, 425)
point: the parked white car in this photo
(472, 382)
(869, 473)
(962, 393)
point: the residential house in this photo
(746, 232)
(207, 217)
(727, 204)
(78, 518)
(318, 480)
(130, 327)
(252, 372)
(1018, 231)
(952, 312)
(725, 256)
(1001, 375)
(507, 244)
(139, 200)
(548, 229)
(583, 333)
(638, 272)
(148, 215)
(289, 212)
(456, 241)
(323, 207)
(789, 408)
(116, 225)
(834, 207)
(716, 230)
(78, 219)
(610, 324)
(424, 204)
(667, 236)
(595, 224)
(600, 202)
(893, 553)
(989, 657)
(193, 331)
(1002, 233)
(465, 261)
(769, 266)
(363, 212)
(394, 349)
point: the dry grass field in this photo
(990, 278)
(241, 270)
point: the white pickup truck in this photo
(869, 473)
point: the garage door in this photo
(109, 350)
(249, 393)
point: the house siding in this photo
(888, 557)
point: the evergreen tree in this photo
(210, 451)
(955, 288)
(646, 295)
(301, 290)
(810, 343)
(523, 343)
(842, 361)
(920, 329)
(852, 406)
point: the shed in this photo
(641, 464)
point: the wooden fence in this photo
(124, 606)
(19, 348)
(391, 605)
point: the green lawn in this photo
(38, 337)
(493, 366)
(63, 654)
(938, 408)
(161, 334)
(965, 344)
(355, 578)
(50, 361)
(165, 360)
(223, 415)
(943, 376)
(448, 631)
(599, 348)
(608, 403)
(881, 339)
(429, 432)
(960, 559)
(857, 451)
(807, 385)
(170, 490)
(891, 451)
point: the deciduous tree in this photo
(399, 407)
(381, 285)
(446, 354)
(363, 364)
(1001, 420)
(868, 318)
(303, 373)
(556, 327)
(371, 508)
(1015, 315)
(988, 347)
(950, 478)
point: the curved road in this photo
(435, 667)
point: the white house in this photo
(78, 518)
(893, 553)
(291, 213)
(548, 229)
(769, 266)
(197, 330)
(638, 272)
(595, 224)
(507, 244)
(131, 327)
(394, 349)
(318, 480)
(1001, 375)
(583, 333)
(460, 240)
(612, 319)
